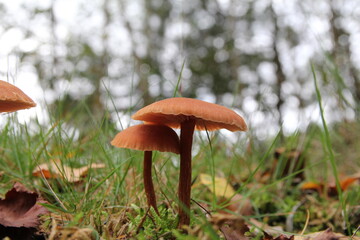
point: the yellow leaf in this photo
(220, 187)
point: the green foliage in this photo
(149, 225)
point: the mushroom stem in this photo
(148, 184)
(186, 139)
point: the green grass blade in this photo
(329, 148)
(176, 90)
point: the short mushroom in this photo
(188, 114)
(13, 99)
(147, 138)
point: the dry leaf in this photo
(20, 208)
(346, 183)
(55, 169)
(312, 187)
(331, 187)
(221, 187)
(19, 213)
(233, 227)
(281, 237)
(234, 202)
(325, 235)
(272, 230)
(240, 205)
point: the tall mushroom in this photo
(13, 99)
(188, 114)
(147, 138)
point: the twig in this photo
(203, 208)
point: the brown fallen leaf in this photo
(20, 208)
(233, 227)
(346, 183)
(331, 187)
(272, 230)
(19, 213)
(281, 237)
(312, 187)
(328, 234)
(55, 169)
(239, 205)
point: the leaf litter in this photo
(55, 169)
(234, 227)
(19, 213)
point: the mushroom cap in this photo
(208, 116)
(13, 99)
(148, 137)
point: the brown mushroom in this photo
(188, 114)
(147, 138)
(13, 99)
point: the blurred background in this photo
(109, 58)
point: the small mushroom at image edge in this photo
(189, 114)
(13, 99)
(148, 138)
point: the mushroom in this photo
(188, 114)
(147, 138)
(13, 99)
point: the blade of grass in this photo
(329, 149)
(252, 174)
(212, 166)
(176, 90)
(93, 189)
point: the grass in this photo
(330, 152)
(111, 201)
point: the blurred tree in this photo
(147, 43)
(345, 73)
(253, 55)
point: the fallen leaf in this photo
(232, 201)
(328, 234)
(239, 205)
(312, 187)
(233, 227)
(20, 208)
(331, 187)
(281, 237)
(220, 187)
(272, 230)
(55, 169)
(19, 213)
(346, 183)
(325, 235)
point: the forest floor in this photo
(56, 183)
